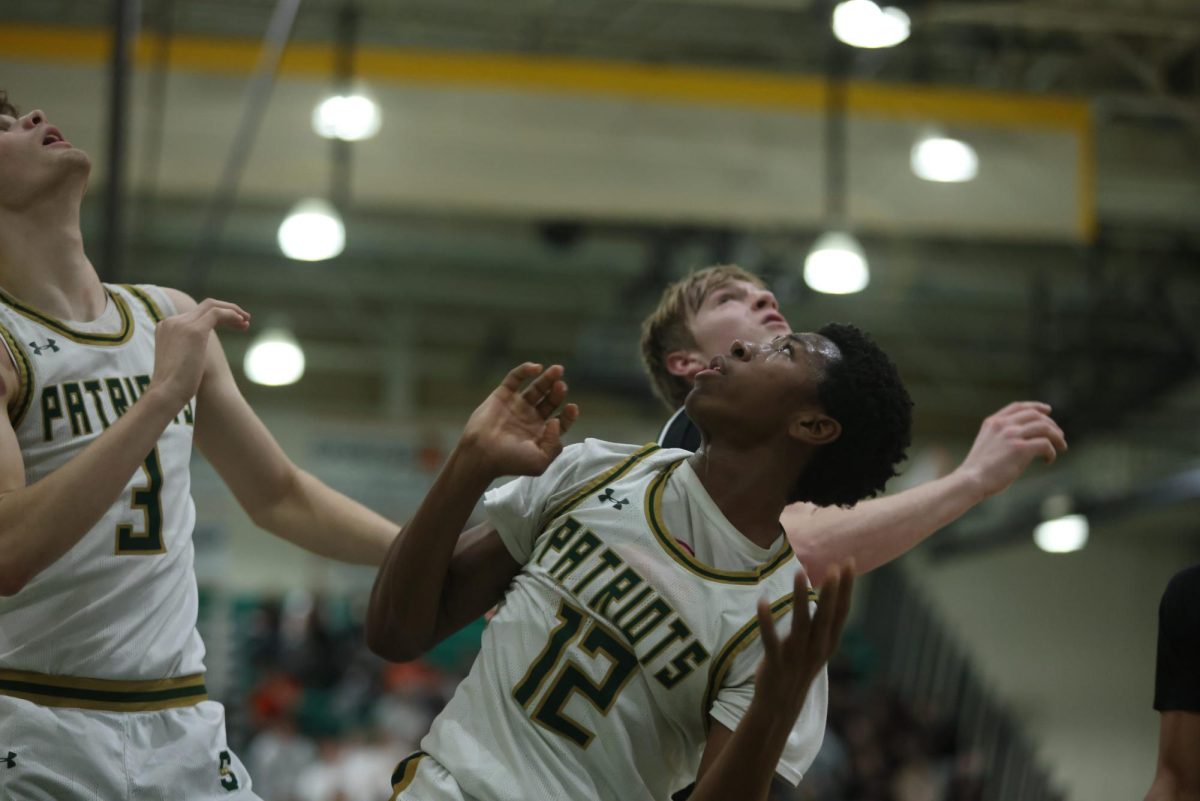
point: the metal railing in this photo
(919, 659)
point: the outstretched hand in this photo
(1008, 441)
(180, 344)
(515, 431)
(790, 664)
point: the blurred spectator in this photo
(275, 756)
(330, 721)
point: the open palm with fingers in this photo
(791, 663)
(516, 430)
(1008, 441)
(180, 344)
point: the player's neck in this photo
(43, 263)
(750, 486)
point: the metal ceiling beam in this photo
(1180, 489)
(1047, 17)
(258, 92)
(126, 15)
(774, 5)
(1152, 76)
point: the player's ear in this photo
(685, 363)
(814, 428)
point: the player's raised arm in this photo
(744, 762)
(875, 532)
(277, 495)
(41, 522)
(433, 582)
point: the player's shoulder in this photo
(1185, 581)
(778, 589)
(162, 301)
(179, 300)
(599, 453)
(1181, 599)
(582, 461)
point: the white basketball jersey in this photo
(121, 603)
(631, 623)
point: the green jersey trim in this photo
(740, 641)
(155, 313)
(82, 337)
(103, 694)
(19, 405)
(405, 772)
(595, 483)
(654, 517)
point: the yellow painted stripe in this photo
(966, 106)
(1088, 224)
(72, 45)
(738, 88)
(663, 83)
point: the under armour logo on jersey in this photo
(9, 761)
(608, 497)
(50, 345)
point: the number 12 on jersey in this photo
(570, 678)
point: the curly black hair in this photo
(6, 107)
(862, 390)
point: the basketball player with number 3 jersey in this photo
(102, 691)
(634, 649)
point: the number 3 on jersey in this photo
(148, 499)
(571, 679)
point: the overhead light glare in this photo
(1062, 534)
(836, 265)
(942, 159)
(274, 359)
(350, 118)
(313, 231)
(863, 23)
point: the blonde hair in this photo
(669, 327)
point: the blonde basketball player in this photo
(699, 315)
(621, 662)
(102, 694)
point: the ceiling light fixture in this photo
(312, 231)
(863, 23)
(945, 160)
(836, 265)
(274, 359)
(350, 118)
(1061, 529)
(1063, 534)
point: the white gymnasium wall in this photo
(735, 153)
(1068, 643)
